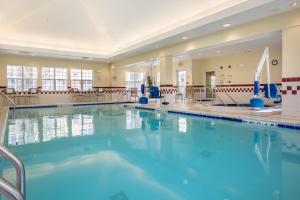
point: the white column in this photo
(291, 71)
(166, 78)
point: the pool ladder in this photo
(10, 191)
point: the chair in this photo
(33, 93)
(179, 95)
(133, 93)
(123, 93)
(76, 93)
(100, 93)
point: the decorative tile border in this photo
(106, 90)
(235, 119)
(241, 88)
(291, 86)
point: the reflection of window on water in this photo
(182, 126)
(82, 125)
(133, 120)
(54, 127)
(23, 131)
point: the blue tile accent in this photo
(143, 108)
(75, 105)
(34, 107)
(281, 125)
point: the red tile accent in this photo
(298, 87)
(289, 87)
(294, 92)
(291, 79)
(284, 92)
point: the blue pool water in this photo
(116, 153)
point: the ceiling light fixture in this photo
(218, 51)
(184, 38)
(226, 25)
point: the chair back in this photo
(33, 91)
(9, 91)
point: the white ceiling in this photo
(102, 29)
(248, 45)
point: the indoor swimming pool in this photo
(113, 152)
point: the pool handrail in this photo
(9, 99)
(231, 98)
(18, 191)
(214, 93)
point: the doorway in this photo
(181, 81)
(210, 83)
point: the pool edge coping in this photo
(291, 126)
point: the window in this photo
(21, 78)
(54, 79)
(82, 79)
(134, 79)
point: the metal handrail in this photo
(231, 98)
(10, 191)
(5, 186)
(9, 99)
(214, 93)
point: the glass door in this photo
(181, 81)
(210, 83)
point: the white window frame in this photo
(54, 79)
(136, 81)
(84, 80)
(23, 78)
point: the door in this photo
(210, 83)
(181, 81)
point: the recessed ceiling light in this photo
(156, 46)
(294, 4)
(226, 25)
(275, 9)
(218, 51)
(199, 54)
(184, 38)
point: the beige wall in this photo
(101, 71)
(243, 67)
(291, 53)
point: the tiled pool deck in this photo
(268, 116)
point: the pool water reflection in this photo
(113, 152)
